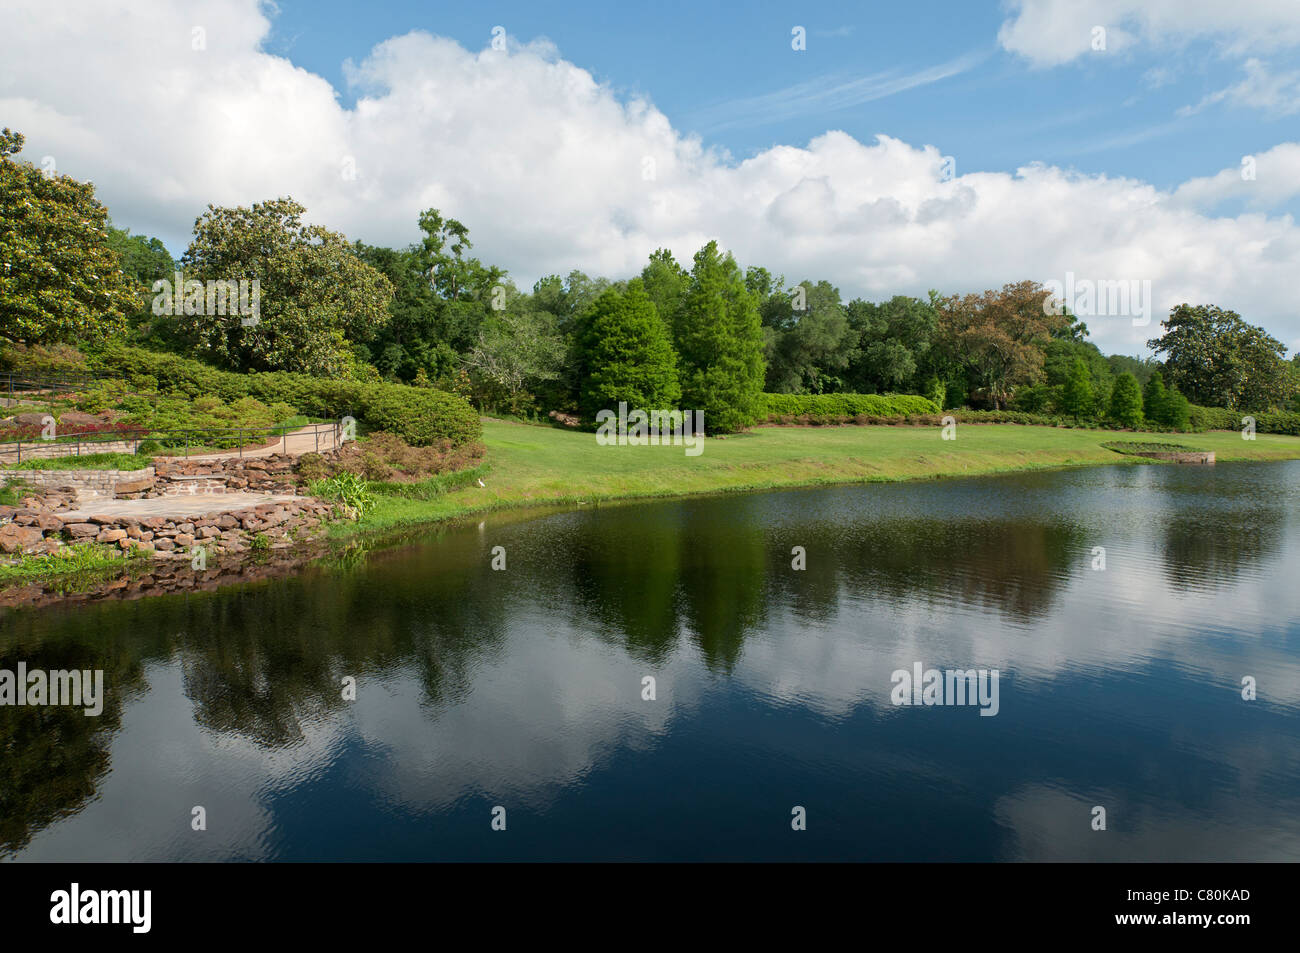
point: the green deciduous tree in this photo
(629, 353)
(317, 296)
(719, 341)
(518, 349)
(807, 338)
(999, 336)
(894, 347)
(60, 281)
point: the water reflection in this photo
(524, 687)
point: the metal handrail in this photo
(17, 381)
(141, 434)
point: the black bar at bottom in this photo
(940, 903)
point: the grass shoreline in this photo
(540, 467)
(534, 469)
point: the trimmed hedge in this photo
(1219, 418)
(846, 406)
(419, 415)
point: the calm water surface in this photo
(476, 688)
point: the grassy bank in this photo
(532, 465)
(85, 561)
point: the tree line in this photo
(711, 336)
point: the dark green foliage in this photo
(1218, 359)
(720, 344)
(1165, 407)
(60, 280)
(846, 406)
(894, 345)
(419, 415)
(630, 355)
(1126, 401)
(807, 337)
(1077, 397)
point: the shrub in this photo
(386, 456)
(312, 467)
(1138, 447)
(349, 489)
(43, 360)
(1220, 418)
(838, 408)
(422, 416)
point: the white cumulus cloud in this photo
(552, 170)
(1051, 32)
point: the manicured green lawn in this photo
(85, 461)
(529, 465)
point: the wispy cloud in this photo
(1084, 146)
(1275, 93)
(823, 95)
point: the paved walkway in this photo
(172, 507)
(304, 440)
(309, 439)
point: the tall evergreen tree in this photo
(719, 339)
(630, 354)
(1154, 397)
(666, 283)
(1126, 401)
(1077, 398)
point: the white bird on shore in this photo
(482, 484)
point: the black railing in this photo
(16, 383)
(325, 436)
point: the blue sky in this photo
(1114, 115)
(602, 132)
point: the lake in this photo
(523, 688)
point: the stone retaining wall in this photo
(37, 531)
(86, 484)
(273, 473)
(45, 450)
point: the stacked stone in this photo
(34, 531)
(269, 474)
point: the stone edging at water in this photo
(283, 522)
(1191, 456)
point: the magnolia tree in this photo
(1218, 360)
(59, 279)
(316, 296)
